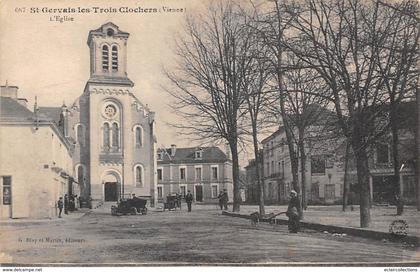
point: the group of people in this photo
(223, 200)
(70, 203)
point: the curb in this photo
(16, 221)
(371, 234)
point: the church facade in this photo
(112, 131)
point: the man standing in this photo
(293, 212)
(225, 199)
(66, 204)
(220, 197)
(178, 200)
(60, 206)
(189, 199)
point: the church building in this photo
(112, 130)
(101, 147)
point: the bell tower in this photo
(108, 55)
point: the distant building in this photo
(325, 164)
(202, 170)
(323, 168)
(381, 165)
(35, 160)
(251, 183)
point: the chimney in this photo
(9, 91)
(173, 150)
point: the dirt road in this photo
(203, 236)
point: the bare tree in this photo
(304, 110)
(272, 25)
(397, 66)
(341, 40)
(257, 97)
(208, 79)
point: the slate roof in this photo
(10, 109)
(50, 113)
(187, 155)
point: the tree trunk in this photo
(294, 163)
(396, 159)
(417, 160)
(303, 168)
(362, 166)
(346, 185)
(257, 170)
(235, 173)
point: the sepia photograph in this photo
(214, 133)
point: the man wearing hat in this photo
(189, 198)
(293, 212)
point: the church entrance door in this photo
(111, 191)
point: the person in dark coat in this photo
(60, 206)
(220, 197)
(189, 199)
(178, 200)
(72, 205)
(225, 199)
(293, 212)
(66, 204)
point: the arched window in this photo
(106, 136)
(80, 174)
(80, 134)
(138, 172)
(114, 58)
(115, 135)
(139, 137)
(105, 58)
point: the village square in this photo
(288, 149)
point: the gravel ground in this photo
(202, 236)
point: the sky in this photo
(50, 59)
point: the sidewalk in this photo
(65, 217)
(381, 217)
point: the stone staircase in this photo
(101, 206)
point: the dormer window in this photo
(159, 156)
(198, 154)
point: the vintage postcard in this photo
(187, 132)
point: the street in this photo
(202, 236)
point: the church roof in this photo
(10, 109)
(50, 113)
(103, 29)
(211, 154)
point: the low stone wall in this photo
(365, 233)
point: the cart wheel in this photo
(133, 211)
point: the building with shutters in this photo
(205, 171)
